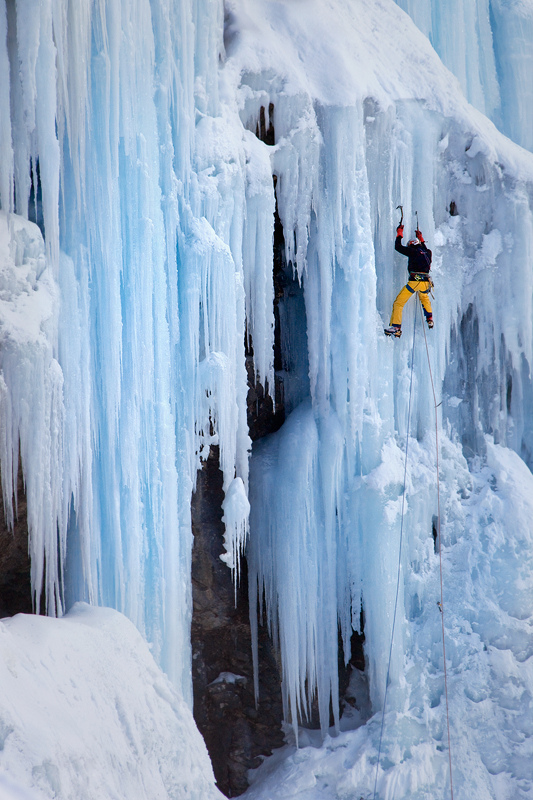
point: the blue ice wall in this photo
(149, 347)
(488, 45)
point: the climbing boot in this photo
(394, 330)
(430, 322)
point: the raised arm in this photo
(422, 242)
(398, 243)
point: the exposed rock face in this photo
(235, 731)
(15, 586)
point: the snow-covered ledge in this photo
(85, 712)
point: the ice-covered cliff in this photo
(488, 45)
(137, 128)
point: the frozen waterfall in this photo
(128, 132)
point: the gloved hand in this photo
(419, 236)
(399, 230)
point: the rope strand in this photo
(441, 605)
(399, 557)
(440, 564)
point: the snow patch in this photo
(85, 712)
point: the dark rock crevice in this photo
(15, 576)
(236, 732)
(263, 131)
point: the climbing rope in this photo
(399, 555)
(441, 604)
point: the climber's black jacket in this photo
(418, 254)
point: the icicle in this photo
(6, 148)
(236, 509)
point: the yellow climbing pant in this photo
(423, 288)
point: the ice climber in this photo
(419, 281)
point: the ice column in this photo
(115, 115)
(301, 476)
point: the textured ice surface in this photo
(487, 553)
(488, 45)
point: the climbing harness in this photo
(440, 603)
(421, 276)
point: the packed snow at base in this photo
(86, 713)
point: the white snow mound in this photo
(85, 713)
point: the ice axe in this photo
(401, 209)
